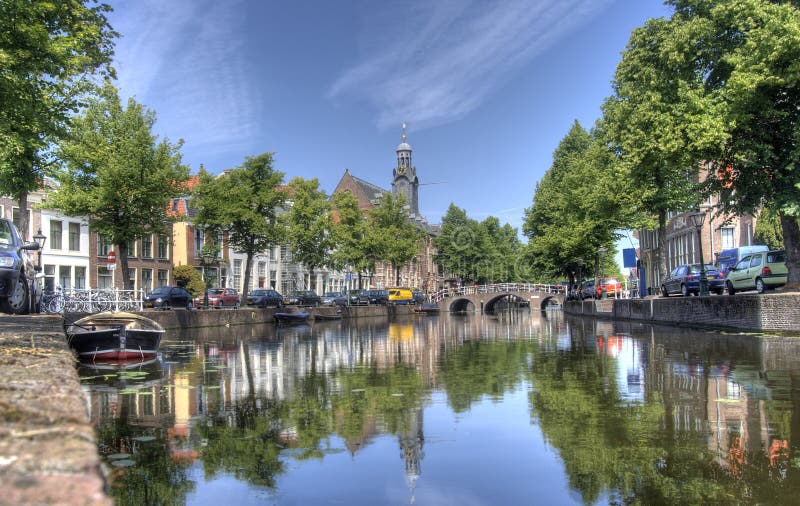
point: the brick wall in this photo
(778, 311)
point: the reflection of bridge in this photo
(485, 297)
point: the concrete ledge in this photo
(48, 451)
(772, 311)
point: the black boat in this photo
(114, 336)
(428, 308)
(291, 318)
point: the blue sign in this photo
(628, 258)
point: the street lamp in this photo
(40, 239)
(696, 219)
(206, 259)
(602, 253)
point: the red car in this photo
(611, 285)
(218, 298)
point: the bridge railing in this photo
(495, 288)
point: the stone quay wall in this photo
(773, 311)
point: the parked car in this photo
(685, 280)
(729, 257)
(401, 296)
(302, 298)
(168, 297)
(262, 297)
(218, 298)
(611, 286)
(758, 271)
(586, 290)
(358, 297)
(19, 291)
(419, 296)
(379, 297)
(334, 299)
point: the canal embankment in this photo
(752, 312)
(48, 451)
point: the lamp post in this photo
(40, 239)
(602, 253)
(207, 259)
(696, 219)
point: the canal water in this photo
(517, 408)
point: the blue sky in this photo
(487, 89)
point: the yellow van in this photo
(400, 296)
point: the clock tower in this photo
(405, 180)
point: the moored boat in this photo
(429, 308)
(291, 318)
(114, 336)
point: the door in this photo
(740, 274)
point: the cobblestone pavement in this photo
(48, 452)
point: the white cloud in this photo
(434, 62)
(183, 59)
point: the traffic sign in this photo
(112, 257)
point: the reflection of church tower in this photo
(405, 180)
(411, 441)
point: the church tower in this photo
(405, 180)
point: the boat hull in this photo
(290, 318)
(114, 337)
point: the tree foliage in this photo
(309, 223)
(188, 277)
(354, 247)
(244, 203)
(579, 206)
(50, 55)
(397, 239)
(116, 173)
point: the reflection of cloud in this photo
(434, 62)
(186, 54)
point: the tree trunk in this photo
(396, 269)
(122, 266)
(247, 263)
(22, 201)
(791, 243)
(661, 258)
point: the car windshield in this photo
(259, 292)
(695, 269)
(331, 294)
(161, 290)
(214, 291)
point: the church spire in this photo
(403, 136)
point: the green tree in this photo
(579, 205)
(351, 236)
(768, 229)
(309, 224)
(51, 53)
(503, 247)
(398, 240)
(455, 245)
(243, 202)
(657, 125)
(116, 174)
(188, 277)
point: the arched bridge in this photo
(485, 298)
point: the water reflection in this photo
(489, 410)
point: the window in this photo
(104, 280)
(65, 276)
(131, 249)
(727, 237)
(132, 277)
(163, 244)
(103, 245)
(237, 274)
(49, 278)
(199, 240)
(74, 236)
(147, 279)
(55, 234)
(262, 274)
(147, 246)
(80, 278)
(163, 277)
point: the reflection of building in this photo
(411, 440)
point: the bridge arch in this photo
(460, 305)
(489, 305)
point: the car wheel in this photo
(720, 291)
(18, 301)
(684, 290)
(760, 287)
(730, 288)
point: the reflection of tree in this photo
(247, 447)
(155, 478)
(482, 368)
(624, 449)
